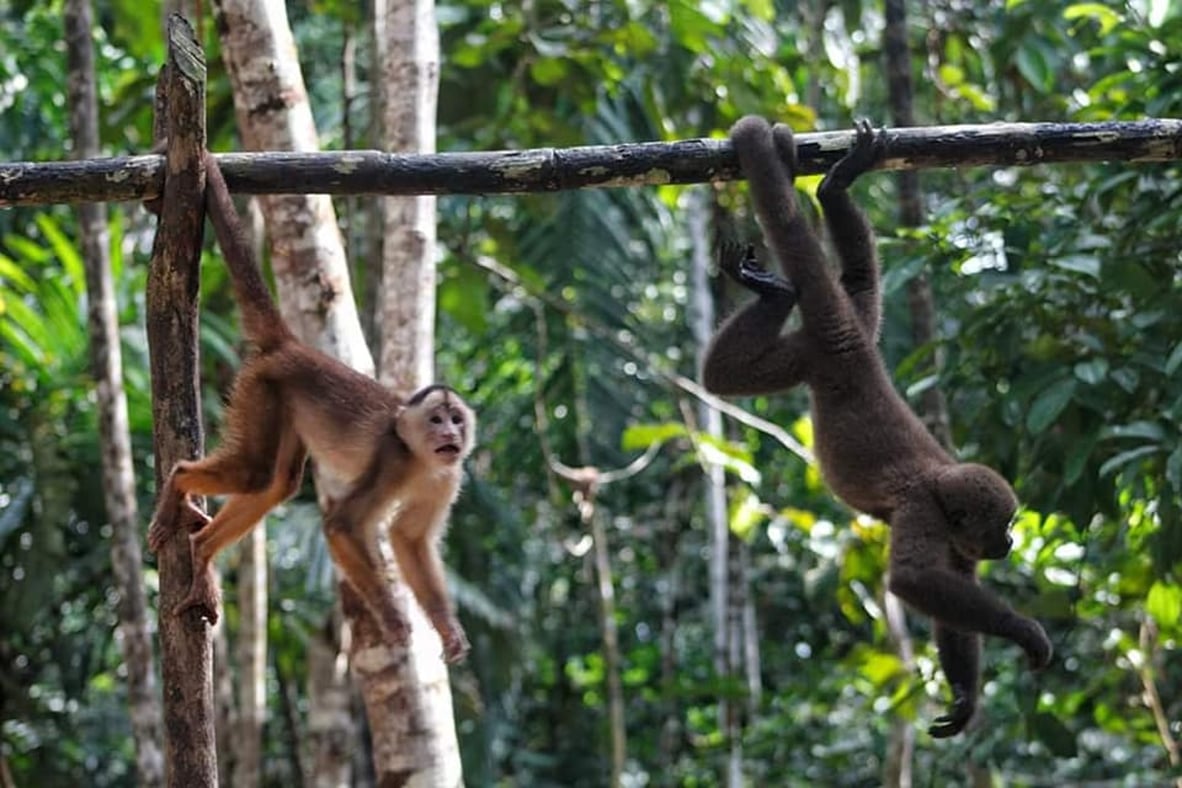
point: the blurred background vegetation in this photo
(1058, 315)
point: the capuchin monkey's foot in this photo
(864, 153)
(455, 643)
(171, 516)
(204, 596)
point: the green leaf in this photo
(1127, 457)
(1078, 263)
(641, 436)
(1091, 372)
(65, 251)
(746, 515)
(1032, 65)
(16, 276)
(1049, 404)
(1078, 453)
(1174, 360)
(1138, 429)
(549, 70)
(1164, 603)
(1174, 470)
(1102, 14)
(1057, 737)
(712, 453)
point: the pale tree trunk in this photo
(307, 254)
(135, 641)
(406, 690)
(933, 408)
(223, 702)
(332, 733)
(408, 43)
(718, 523)
(251, 659)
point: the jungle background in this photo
(566, 320)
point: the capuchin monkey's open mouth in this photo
(449, 450)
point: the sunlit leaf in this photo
(1164, 603)
(641, 436)
(746, 515)
(1102, 14)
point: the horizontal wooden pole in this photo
(556, 169)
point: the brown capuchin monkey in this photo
(874, 453)
(384, 460)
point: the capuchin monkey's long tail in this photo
(261, 321)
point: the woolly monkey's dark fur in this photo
(874, 452)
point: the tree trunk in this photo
(409, 48)
(718, 522)
(185, 643)
(307, 256)
(933, 408)
(106, 359)
(223, 703)
(307, 252)
(406, 690)
(331, 728)
(251, 659)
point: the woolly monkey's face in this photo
(979, 506)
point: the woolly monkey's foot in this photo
(739, 263)
(960, 711)
(865, 151)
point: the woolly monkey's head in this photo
(979, 506)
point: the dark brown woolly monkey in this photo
(874, 453)
(383, 460)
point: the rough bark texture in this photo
(307, 255)
(406, 690)
(271, 103)
(557, 169)
(332, 733)
(106, 361)
(185, 642)
(410, 71)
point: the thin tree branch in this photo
(557, 169)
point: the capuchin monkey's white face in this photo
(438, 426)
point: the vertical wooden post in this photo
(185, 641)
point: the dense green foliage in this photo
(1060, 317)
